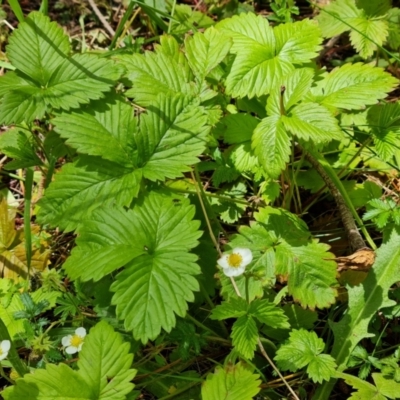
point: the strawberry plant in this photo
(173, 181)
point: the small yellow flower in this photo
(235, 263)
(5, 346)
(73, 343)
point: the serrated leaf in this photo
(105, 362)
(244, 336)
(186, 19)
(265, 54)
(236, 128)
(268, 313)
(234, 308)
(46, 76)
(155, 73)
(388, 387)
(103, 373)
(365, 300)
(38, 47)
(172, 135)
(17, 143)
(81, 187)
(271, 144)
(312, 122)
(153, 241)
(234, 382)
(354, 86)
(365, 390)
(106, 129)
(205, 51)
(385, 128)
(304, 349)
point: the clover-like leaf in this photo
(265, 54)
(153, 242)
(304, 349)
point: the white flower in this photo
(5, 346)
(235, 263)
(73, 343)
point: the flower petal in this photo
(66, 340)
(80, 332)
(223, 261)
(246, 254)
(5, 345)
(234, 271)
(3, 355)
(71, 350)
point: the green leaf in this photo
(245, 336)
(388, 387)
(172, 135)
(155, 73)
(365, 390)
(46, 76)
(363, 20)
(105, 362)
(312, 122)
(268, 313)
(103, 373)
(234, 308)
(354, 86)
(234, 382)
(385, 128)
(18, 143)
(264, 54)
(156, 285)
(105, 129)
(365, 300)
(186, 19)
(271, 143)
(81, 187)
(205, 51)
(38, 47)
(304, 349)
(236, 128)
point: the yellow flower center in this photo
(76, 340)
(235, 260)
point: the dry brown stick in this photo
(350, 227)
(101, 17)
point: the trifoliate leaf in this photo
(364, 20)
(304, 349)
(205, 51)
(233, 382)
(82, 186)
(354, 86)
(106, 129)
(385, 128)
(103, 373)
(365, 390)
(172, 135)
(156, 285)
(244, 336)
(186, 19)
(105, 362)
(38, 47)
(271, 143)
(155, 73)
(264, 54)
(18, 143)
(268, 313)
(46, 76)
(381, 211)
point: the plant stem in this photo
(346, 209)
(27, 216)
(13, 356)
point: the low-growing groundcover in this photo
(160, 201)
